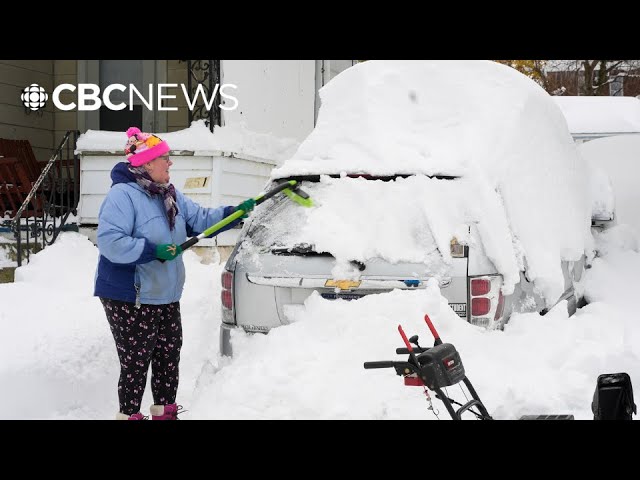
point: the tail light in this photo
(227, 280)
(487, 301)
(480, 286)
(226, 297)
(480, 306)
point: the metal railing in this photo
(53, 198)
(204, 75)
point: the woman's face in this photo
(158, 169)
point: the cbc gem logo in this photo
(34, 97)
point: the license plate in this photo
(460, 309)
(343, 296)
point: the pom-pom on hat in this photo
(142, 147)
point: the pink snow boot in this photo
(165, 412)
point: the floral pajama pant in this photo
(151, 334)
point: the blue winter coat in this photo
(130, 225)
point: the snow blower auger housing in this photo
(434, 368)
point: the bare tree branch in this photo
(583, 77)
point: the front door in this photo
(140, 73)
(125, 72)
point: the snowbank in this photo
(198, 138)
(60, 348)
(619, 238)
(477, 119)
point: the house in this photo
(274, 96)
(42, 100)
(601, 116)
(568, 77)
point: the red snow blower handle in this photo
(433, 331)
(406, 340)
(408, 344)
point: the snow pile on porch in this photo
(200, 140)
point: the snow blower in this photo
(440, 366)
(435, 368)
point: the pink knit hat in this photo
(142, 148)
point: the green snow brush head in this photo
(298, 195)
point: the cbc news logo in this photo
(34, 97)
(92, 97)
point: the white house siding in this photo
(274, 96)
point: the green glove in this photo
(247, 206)
(168, 251)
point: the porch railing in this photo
(204, 75)
(52, 200)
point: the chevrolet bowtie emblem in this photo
(342, 284)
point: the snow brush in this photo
(290, 188)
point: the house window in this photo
(124, 72)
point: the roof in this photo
(608, 115)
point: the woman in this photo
(142, 220)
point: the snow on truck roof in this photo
(483, 121)
(431, 117)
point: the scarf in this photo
(166, 190)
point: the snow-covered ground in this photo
(58, 359)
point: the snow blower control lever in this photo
(434, 368)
